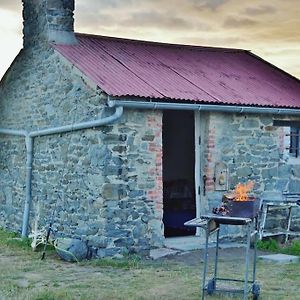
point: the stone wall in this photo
(106, 180)
(109, 178)
(12, 176)
(251, 147)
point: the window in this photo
(291, 137)
(294, 141)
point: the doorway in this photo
(178, 134)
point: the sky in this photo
(270, 29)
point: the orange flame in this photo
(242, 190)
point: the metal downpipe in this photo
(29, 141)
(63, 129)
(29, 159)
(13, 132)
(79, 126)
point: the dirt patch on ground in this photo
(196, 258)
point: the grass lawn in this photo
(24, 276)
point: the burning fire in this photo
(241, 191)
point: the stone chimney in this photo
(48, 21)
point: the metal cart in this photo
(211, 223)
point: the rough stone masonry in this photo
(251, 147)
(110, 177)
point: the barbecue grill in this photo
(211, 223)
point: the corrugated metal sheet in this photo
(123, 67)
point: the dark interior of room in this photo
(178, 172)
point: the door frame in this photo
(198, 166)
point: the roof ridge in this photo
(192, 47)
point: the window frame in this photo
(291, 137)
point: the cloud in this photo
(12, 5)
(284, 51)
(232, 22)
(156, 20)
(283, 57)
(214, 41)
(90, 19)
(261, 10)
(103, 4)
(208, 4)
(149, 15)
(258, 25)
(114, 3)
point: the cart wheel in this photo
(255, 291)
(211, 286)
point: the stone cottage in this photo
(128, 139)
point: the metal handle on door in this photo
(204, 184)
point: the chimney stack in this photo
(48, 21)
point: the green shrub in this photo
(13, 240)
(269, 245)
(5, 235)
(273, 246)
(20, 243)
(294, 248)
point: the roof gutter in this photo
(203, 107)
(29, 141)
(79, 126)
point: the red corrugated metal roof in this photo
(123, 67)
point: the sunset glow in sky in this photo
(271, 29)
